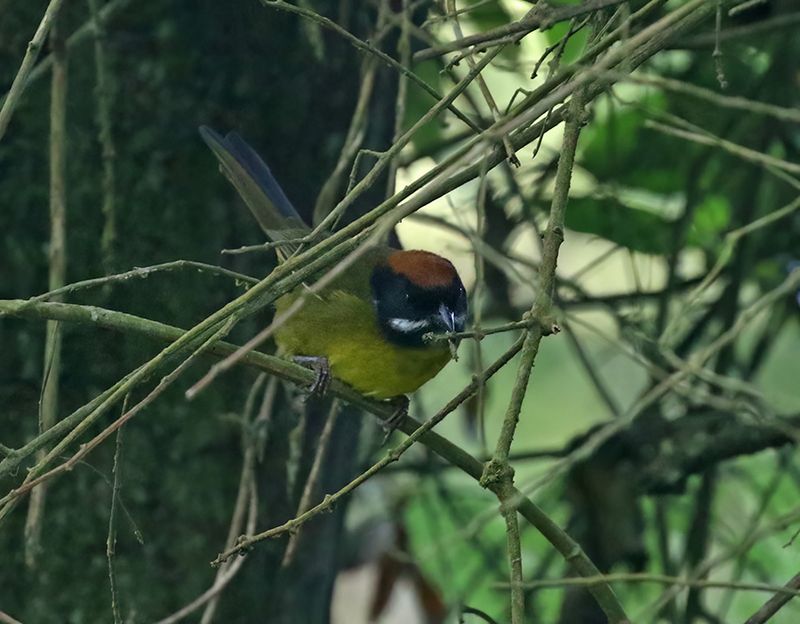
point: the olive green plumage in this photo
(340, 323)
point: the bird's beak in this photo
(449, 319)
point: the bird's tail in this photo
(255, 183)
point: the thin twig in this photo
(294, 373)
(635, 577)
(37, 474)
(697, 359)
(535, 19)
(28, 61)
(387, 157)
(111, 540)
(717, 53)
(774, 604)
(404, 53)
(738, 150)
(476, 612)
(246, 495)
(79, 36)
(781, 113)
(748, 540)
(312, 481)
(327, 196)
(287, 314)
(246, 500)
(142, 273)
(393, 455)
(760, 27)
(367, 47)
(484, 88)
(732, 239)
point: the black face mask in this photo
(406, 311)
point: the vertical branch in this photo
(48, 407)
(104, 94)
(246, 501)
(477, 298)
(246, 494)
(404, 52)
(111, 540)
(479, 80)
(498, 475)
(312, 481)
(352, 142)
(542, 306)
(31, 54)
(484, 88)
(515, 565)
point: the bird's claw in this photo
(394, 420)
(322, 368)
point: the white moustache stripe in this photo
(407, 326)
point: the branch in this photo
(299, 375)
(144, 272)
(498, 475)
(21, 79)
(636, 577)
(111, 539)
(767, 26)
(790, 115)
(697, 442)
(367, 47)
(738, 150)
(773, 605)
(5, 618)
(540, 17)
(246, 500)
(80, 35)
(49, 400)
(697, 360)
(417, 433)
(104, 95)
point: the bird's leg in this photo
(319, 364)
(400, 404)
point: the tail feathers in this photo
(255, 183)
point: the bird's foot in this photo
(400, 404)
(320, 365)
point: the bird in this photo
(367, 327)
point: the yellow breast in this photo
(343, 328)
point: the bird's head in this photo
(415, 293)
